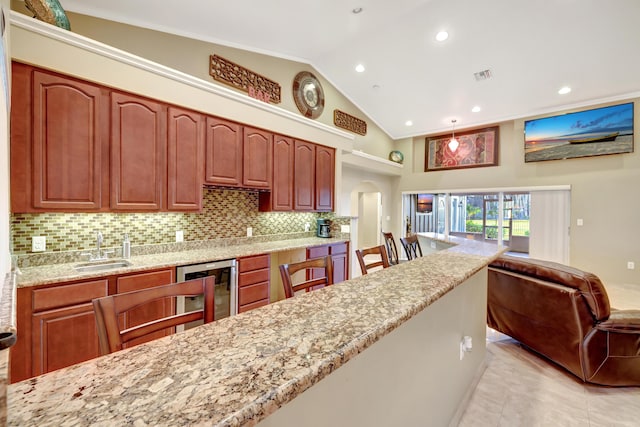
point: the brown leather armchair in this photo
(563, 314)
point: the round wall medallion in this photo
(396, 156)
(308, 94)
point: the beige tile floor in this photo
(520, 388)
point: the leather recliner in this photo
(563, 314)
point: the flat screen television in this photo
(425, 203)
(595, 132)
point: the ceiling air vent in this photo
(482, 75)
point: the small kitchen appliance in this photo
(324, 228)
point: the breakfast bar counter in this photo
(239, 370)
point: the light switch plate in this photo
(179, 236)
(249, 231)
(38, 243)
(345, 229)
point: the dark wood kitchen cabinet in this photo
(339, 256)
(324, 178)
(185, 154)
(223, 153)
(138, 141)
(280, 198)
(56, 325)
(63, 329)
(59, 138)
(256, 158)
(253, 282)
(237, 156)
(304, 176)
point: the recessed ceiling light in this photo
(564, 90)
(360, 68)
(442, 36)
(357, 10)
(476, 109)
(408, 123)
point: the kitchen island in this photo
(239, 370)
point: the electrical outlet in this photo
(38, 243)
(249, 231)
(579, 222)
(179, 236)
(307, 226)
(631, 265)
(345, 229)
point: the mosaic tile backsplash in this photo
(225, 214)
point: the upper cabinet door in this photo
(185, 149)
(282, 185)
(138, 138)
(257, 157)
(325, 177)
(223, 151)
(304, 176)
(67, 143)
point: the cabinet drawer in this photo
(252, 277)
(339, 248)
(317, 251)
(253, 305)
(135, 282)
(253, 263)
(253, 293)
(66, 295)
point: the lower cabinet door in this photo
(340, 258)
(63, 337)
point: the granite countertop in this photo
(56, 273)
(238, 370)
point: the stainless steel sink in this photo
(101, 265)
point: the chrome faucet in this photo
(100, 254)
(99, 240)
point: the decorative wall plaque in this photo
(255, 85)
(308, 94)
(348, 122)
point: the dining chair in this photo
(112, 337)
(392, 249)
(411, 246)
(382, 261)
(322, 266)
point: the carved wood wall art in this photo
(348, 122)
(255, 85)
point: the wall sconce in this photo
(453, 144)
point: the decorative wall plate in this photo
(308, 94)
(49, 11)
(396, 156)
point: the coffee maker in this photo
(324, 228)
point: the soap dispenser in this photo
(126, 247)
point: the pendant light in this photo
(453, 144)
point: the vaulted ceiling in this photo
(531, 49)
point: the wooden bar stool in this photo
(376, 250)
(108, 309)
(322, 266)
